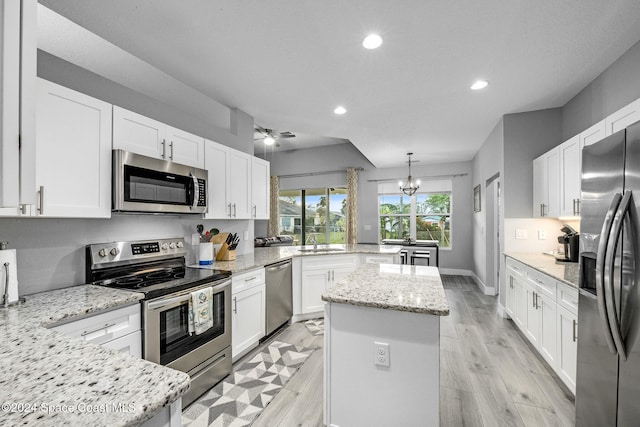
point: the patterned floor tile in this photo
(315, 326)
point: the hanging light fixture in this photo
(412, 185)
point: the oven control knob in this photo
(164, 246)
(180, 244)
(172, 245)
(114, 251)
(102, 252)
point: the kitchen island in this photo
(48, 378)
(382, 346)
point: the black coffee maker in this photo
(571, 241)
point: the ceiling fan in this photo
(270, 137)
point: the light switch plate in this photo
(367, 227)
(522, 233)
(542, 234)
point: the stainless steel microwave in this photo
(145, 184)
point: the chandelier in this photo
(412, 185)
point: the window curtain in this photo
(351, 231)
(273, 228)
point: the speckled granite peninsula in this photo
(382, 346)
(51, 379)
(393, 286)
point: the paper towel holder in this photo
(5, 298)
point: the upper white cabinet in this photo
(593, 134)
(260, 173)
(570, 173)
(622, 118)
(73, 153)
(229, 182)
(546, 192)
(142, 135)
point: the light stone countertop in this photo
(566, 272)
(265, 256)
(51, 373)
(411, 288)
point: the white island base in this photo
(360, 393)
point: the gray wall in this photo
(51, 251)
(616, 87)
(339, 157)
(526, 136)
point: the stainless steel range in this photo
(157, 269)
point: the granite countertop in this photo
(566, 272)
(411, 288)
(265, 256)
(44, 375)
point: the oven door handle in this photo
(180, 299)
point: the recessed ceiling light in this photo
(269, 140)
(479, 84)
(372, 41)
(340, 110)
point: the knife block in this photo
(224, 254)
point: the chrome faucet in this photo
(312, 236)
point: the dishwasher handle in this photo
(278, 266)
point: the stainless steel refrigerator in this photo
(608, 371)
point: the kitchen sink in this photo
(306, 250)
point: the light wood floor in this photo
(489, 376)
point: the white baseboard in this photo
(487, 290)
(502, 312)
(456, 272)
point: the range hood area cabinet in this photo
(141, 135)
(238, 184)
(557, 173)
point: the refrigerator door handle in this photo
(601, 277)
(614, 237)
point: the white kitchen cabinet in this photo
(240, 184)
(593, 134)
(248, 305)
(546, 191)
(567, 346)
(118, 329)
(532, 317)
(622, 118)
(548, 344)
(320, 273)
(142, 135)
(260, 174)
(570, 176)
(73, 153)
(229, 182)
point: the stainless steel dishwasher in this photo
(279, 300)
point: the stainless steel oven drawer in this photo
(208, 373)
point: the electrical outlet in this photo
(367, 227)
(542, 234)
(381, 354)
(522, 233)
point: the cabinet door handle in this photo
(537, 305)
(577, 207)
(255, 210)
(575, 335)
(229, 210)
(234, 210)
(41, 199)
(171, 150)
(328, 275)
(235, 304)
(333, 276)
(164, 149)
(107, 325)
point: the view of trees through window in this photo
(429, 214)
(321, 210)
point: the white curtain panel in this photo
(274, 200)
(351, 232)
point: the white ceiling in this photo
(289, 63)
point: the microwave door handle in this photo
(614, 237)
(601, 259)
(196, 191)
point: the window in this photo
(321, 210)
(423, 216)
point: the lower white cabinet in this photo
(546, 312)
(117, 329)
(248, 305)
(567, 343)
(320, 273)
